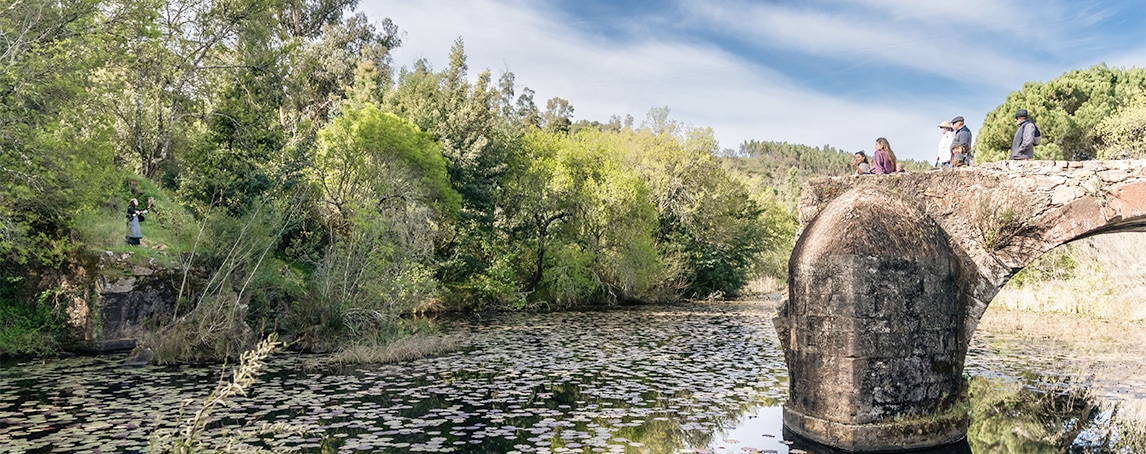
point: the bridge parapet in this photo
(914, 259)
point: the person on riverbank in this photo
(1026, 137)
(860, 164)
(963, 137)
(883, 162)
(134, 217)
(943, 150)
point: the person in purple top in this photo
(884, 160)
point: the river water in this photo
(700, 378)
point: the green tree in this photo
(237, 160)
(478, 144)
(164, 56)
(586, 218)
(558, 115)
(1067, 110)
(327, 55)
(55, 162)
(706, 219)
(385, 193)
(357, 152)
(1123, 135)
(55, 158)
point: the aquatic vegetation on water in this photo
(649, 380)
(684, 379)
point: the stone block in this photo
(1129, 200)
(1113, 176)
(1049, 182)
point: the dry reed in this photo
(394, 351)
(1108, 281)
(188, 437)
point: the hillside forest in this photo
(300, 182)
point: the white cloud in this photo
(901, 34)
(704, 85)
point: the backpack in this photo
(1038, 134)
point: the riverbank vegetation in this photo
(300, 183)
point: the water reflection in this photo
(1047, 415)
(694, 379)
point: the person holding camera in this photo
(134, 217)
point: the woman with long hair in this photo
(861, 164)
(134, 216)
(884, 160)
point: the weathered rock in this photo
(128, 304)
(140, 358)
(872, 326)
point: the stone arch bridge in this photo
(891, 273)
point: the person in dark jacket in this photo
(962, 136)
(1023, 145)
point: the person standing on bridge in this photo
(962, 136)
(943, 153)
(883, 162)
(1026, 137)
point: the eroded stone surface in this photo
(872, 331)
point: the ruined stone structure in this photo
(891, 274)
(124, 300)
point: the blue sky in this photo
(815, 72)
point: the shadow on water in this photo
(705, 378)
(810, 447)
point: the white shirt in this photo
(944, 147)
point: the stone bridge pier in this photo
(890, 275)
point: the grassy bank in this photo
(1103, 276)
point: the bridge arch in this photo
(891, 274)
